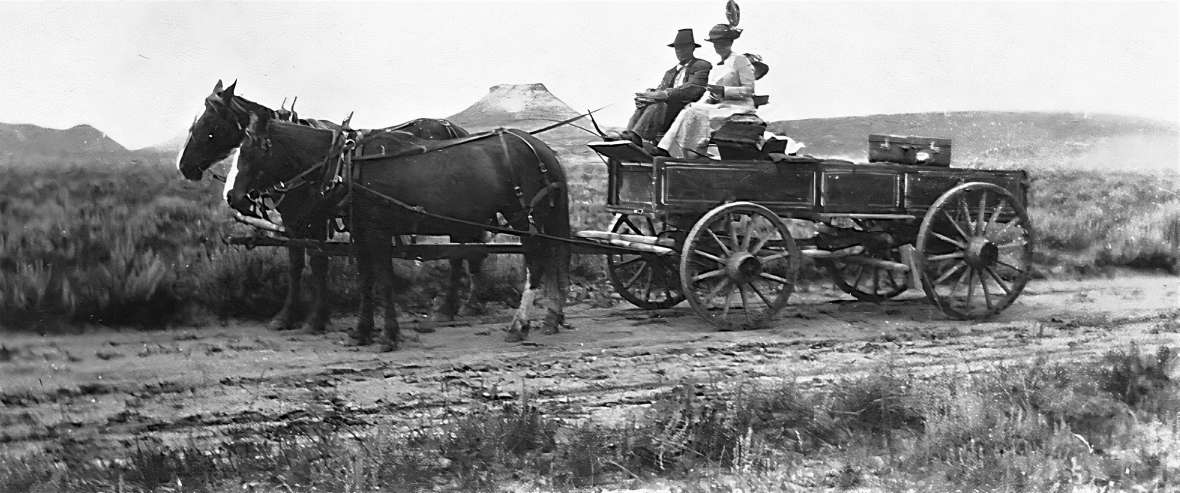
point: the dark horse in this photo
(417, 186)
(220, 129)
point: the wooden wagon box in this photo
(929, 151)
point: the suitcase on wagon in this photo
(927, 151)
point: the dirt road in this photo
(107, 388)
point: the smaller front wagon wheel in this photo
(738, 266)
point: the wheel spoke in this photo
(999, 282)
(733, 241)
(987, 296)
(1014, 244)
(759, 293)
(713, 293)
(966, 210)
(1010, 266)
(955, 223)
(860, 272)
(945, 256)
(949, 272)
(949, 240)
(970, 286)
(982, 209)
(708, 275)
(750, 228)
(772, 258)
(960, 280)
(761, 243)
(876, 281)
(720, 243)
(745, 302)
(995, 215)
(635, 277)
(772, 277)
(709, 256)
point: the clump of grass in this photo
(1040, 427)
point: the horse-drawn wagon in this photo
(729, 235)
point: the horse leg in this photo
(382, 253)
(545, 262)
(286, 318)
(450, 305)
(365, 266)
(473, 304)
(555, 283)
(518, 330)
(319, 274)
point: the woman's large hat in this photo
(684, 37)
(723, 31)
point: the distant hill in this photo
(990, 138)
(25, 142)
(527, 107)
(170, 146)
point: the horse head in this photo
(273, 152)
(216, 131)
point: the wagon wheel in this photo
(647, 281)
(976, 244)
(867, 282)
(738, 266)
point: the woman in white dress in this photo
(730, 91)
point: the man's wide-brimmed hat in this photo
(723, 31)
(684, 37)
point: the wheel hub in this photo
(743, 266)
(981, 252)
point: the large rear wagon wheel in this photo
(738, 266)
(648, 281)
(976, 244)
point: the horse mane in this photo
(299, 139)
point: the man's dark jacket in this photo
(652, 120)
(694, 85)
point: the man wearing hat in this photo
(730, 89)
(656, 108)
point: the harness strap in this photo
(489, 227)
(426, 150)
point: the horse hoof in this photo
(472, 310)
(357, 338)
(281, 325)
(423, 330)
(386, 345)
(549, 330)
(515, 336)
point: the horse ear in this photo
(217, 88)
(229, 91)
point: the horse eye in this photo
(210, 136)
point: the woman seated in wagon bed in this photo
(730, 91)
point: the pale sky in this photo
(139, 71)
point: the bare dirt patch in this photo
(107, 389)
